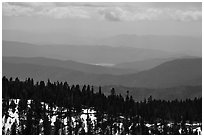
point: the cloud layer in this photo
(107, 11)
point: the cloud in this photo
(150, 14)
(111, 14)
(119, 14)
(189, 15)
(15, 10)
(43, 9)
(63, 12)
(107, 11)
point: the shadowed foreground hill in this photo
(147, 64)
(169, 74)
(174, 73)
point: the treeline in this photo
(74, 97)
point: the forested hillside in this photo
(36, 104)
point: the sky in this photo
(104, 19)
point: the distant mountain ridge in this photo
(85, 54)
(181, 44)
(187, 45)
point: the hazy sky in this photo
(104, 19)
